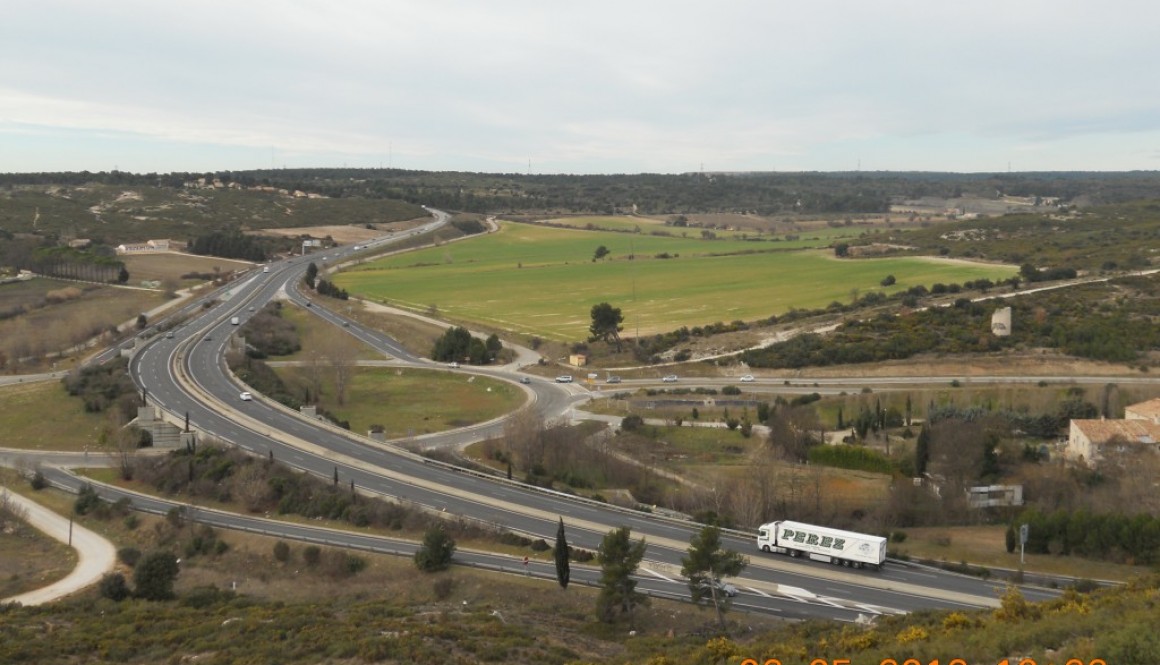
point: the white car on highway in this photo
(246, 397)
(672, 378)
(748, 378)
(564, 378)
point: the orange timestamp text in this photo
(915, 661)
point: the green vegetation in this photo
(1113, 537)
(788, 194)
(851, 457)
(705, 565)
(40, 416)
(706, 281)
(436, 551)
(1117, 237)
(407, 402)
(135, 208)
(619, 557)
(1060, 319)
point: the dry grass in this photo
(57, 327)
(171, 266)
(28, 558)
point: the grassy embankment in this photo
(542, 281)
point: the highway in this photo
(186, 374)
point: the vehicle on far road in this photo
(235, 321)
(246, 397)
(672, 378)
(525, 380)
(265, 268)
(724, 588)
(169, 335)
(612, 379)
(564, 378)
(453, 365)
(748, 378)
(820, 543)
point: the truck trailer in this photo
(821, 543)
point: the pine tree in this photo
(619, 558)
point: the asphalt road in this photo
(210, 397)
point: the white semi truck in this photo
(822, 544)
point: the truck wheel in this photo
(765, 548)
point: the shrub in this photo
(443, 587)
(730, 390)
(87, 500)
(436, 551)
(281, 551)
(154, 576)
(129, 556)
(631, 423)
(38, 481)
(114, 587)
(311, 554)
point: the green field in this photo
(411, 402)
(542, 281)
(42, 416)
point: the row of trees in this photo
(705, 565)
(68, 263)
(458, 345)
(1110, 537)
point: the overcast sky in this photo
(580, 87)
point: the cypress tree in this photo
(563, 571)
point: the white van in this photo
(564, 378)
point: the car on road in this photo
(246, 397)
(671, 378)
(309, 304)
(748, 378)
(208, 338)
(453, 365)
(169, 335)
(525, 380)
(724, 588)
(612, 379)
(564, 378)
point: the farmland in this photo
(543, 281)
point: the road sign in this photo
(1024, 530)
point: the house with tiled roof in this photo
(1149, 410)
(1141, 425)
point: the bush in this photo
(38, 481)
(730, 390)
(114, 587)
(443, 587)
(631, 423)
(281, 551)
(87, 500)
(312, 554)
(129, 556)
(436, 551)
(154, 576)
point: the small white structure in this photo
(1001, 322)
(990, 496)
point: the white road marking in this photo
(659, 576)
